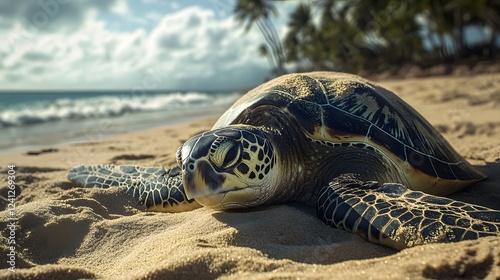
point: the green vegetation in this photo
(375, 36)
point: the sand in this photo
(65, 232)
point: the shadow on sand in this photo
(292, 231)
(485, 193)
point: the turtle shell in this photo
(336, 108)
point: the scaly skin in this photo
(394, 216)
(156, 188)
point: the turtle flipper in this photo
(397, 217)
(157, 188)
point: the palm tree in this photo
(301, 33)
(250, 12)
(353, 35)
(481, 12)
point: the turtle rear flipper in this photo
(157, 188)
(397, 217)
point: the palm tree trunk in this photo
(271, 36)
(460, 43)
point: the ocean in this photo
(31, 120)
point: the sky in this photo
(136, 45)
(128, 44)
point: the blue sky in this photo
(124, 44)
(129, 44)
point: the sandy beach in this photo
(65, 232)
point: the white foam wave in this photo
(107, 106)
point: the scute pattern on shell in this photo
(336, 107)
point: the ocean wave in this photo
(106, 106)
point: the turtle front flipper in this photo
(157, 188)
(397, 217)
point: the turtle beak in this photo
(211, 188)
(200, 179)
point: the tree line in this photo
(374, 36)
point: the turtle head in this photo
(231, 167)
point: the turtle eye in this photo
(225, 153)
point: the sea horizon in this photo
(37, 119)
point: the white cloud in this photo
(190, 48)
(153, 16)
(52, 15)
(121, 8)
(174, 5)
(152, 1)
(213, 52)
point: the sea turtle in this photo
(369, 162)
